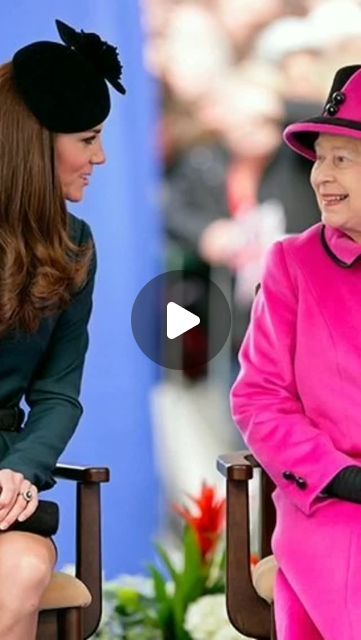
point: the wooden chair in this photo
(71, 606)
(249, 594)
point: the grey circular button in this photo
(171, 320)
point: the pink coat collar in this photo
(341, 245)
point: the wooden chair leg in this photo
(71, 624)
(273, 624)
(48, 626)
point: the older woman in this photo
(54, 100)
(297, 399)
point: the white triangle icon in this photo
(179, 320)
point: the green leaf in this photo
(163, 602)
(216, 574)
(191, 582)
(195, 571)
(160, 589)
(167, 561)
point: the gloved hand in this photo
(346, 485)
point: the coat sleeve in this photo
(53, 393)
(264, 399)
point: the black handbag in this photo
(44, 521)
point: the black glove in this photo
(346, 485)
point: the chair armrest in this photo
(237, 466)
(88, 535)
(248, 612)
(82, 474)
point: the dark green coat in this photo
(46, 368)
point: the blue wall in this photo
(120, 205)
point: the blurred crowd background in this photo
(232, 74)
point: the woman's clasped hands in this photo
(18, 498)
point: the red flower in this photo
(254, 559)
(208, 522)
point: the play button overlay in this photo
(181, 320)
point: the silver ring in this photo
(27, 495)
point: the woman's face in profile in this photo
(75, 157)
(336, 180)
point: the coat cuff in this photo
(307, 493)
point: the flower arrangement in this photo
(180, 600)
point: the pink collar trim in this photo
(342, 245)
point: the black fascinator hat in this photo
(65, 85)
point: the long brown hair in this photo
(40, 266)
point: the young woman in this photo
(54, 100)
(297, 399)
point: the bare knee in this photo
(32, 570)
(26, 565)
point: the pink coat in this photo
(297, 402)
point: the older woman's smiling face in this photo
(336, 180)
(76, 154)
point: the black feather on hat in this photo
(102, 55)
(64, 85)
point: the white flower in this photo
(138, 583)
(206, 619)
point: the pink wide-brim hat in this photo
(341, 115)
